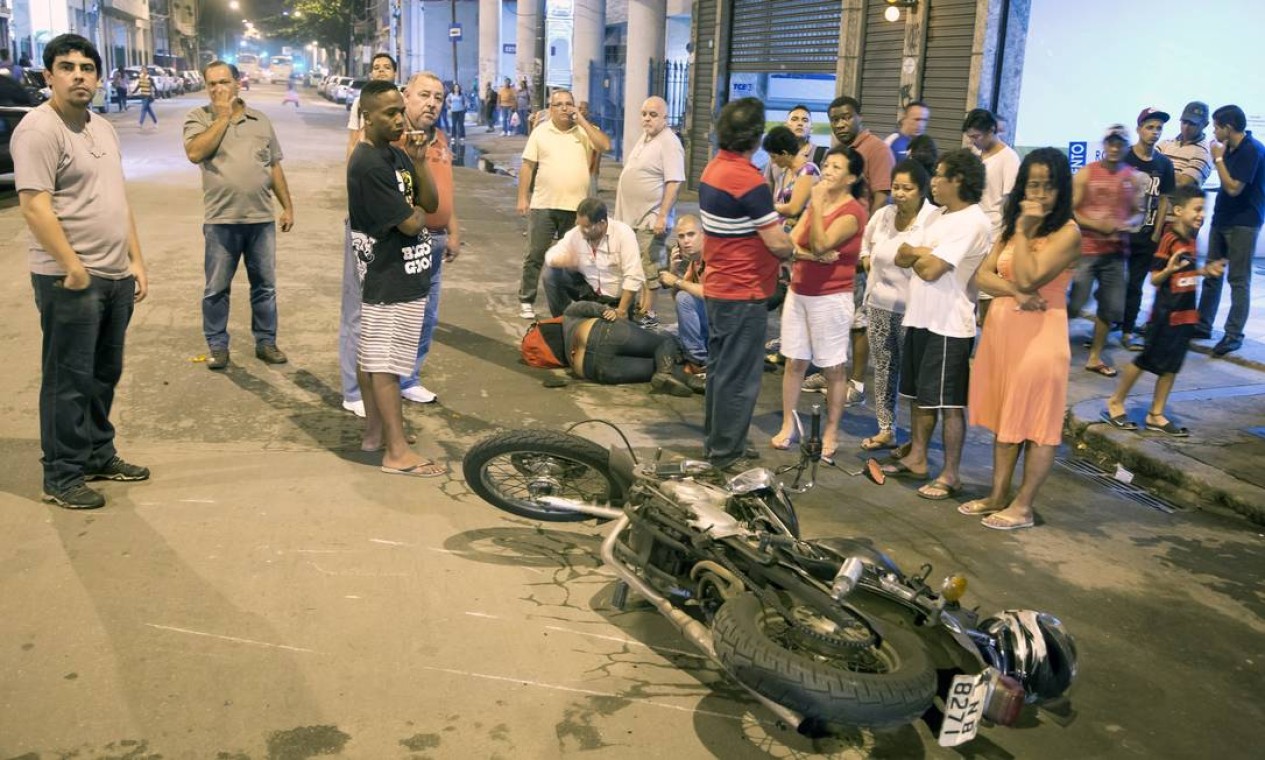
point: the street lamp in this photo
(234, 5)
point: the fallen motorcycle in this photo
(826, 633)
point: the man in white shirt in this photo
(940, 318)
(1001, 166)
(596, 260)
(553, 181)
(653, 172)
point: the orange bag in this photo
(543, 345)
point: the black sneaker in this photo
(268, 353)
(78, 496)
(218, 360)
(117, 469)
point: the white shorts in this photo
(389, 334)
(816, 328)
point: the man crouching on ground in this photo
(385, 188)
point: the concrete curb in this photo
(1179, 479)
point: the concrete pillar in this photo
(526, 65)
(489, 43)
(587, 40)
(647, 20)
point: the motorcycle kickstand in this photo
(619, 599)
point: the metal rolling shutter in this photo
(702, 105)
(785, 35)
(947, 70)
(880, 70)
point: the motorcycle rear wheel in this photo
(889, 685)
(510, 470)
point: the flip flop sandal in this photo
(899, 469)
(875, 472)
(945, 491)
(869, 444)
(1105, 370)
(427, 469)
(1168, 428)
(978, 507)
(1120, 421)
(997, 522)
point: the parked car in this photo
(9, 118)
(33, 82)
(346, 93)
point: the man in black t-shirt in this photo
(1158, 170)
(388, 193)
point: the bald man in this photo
(653, 172)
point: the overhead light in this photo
(893, 8)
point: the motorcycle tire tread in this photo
(822, 693)
(535, 442)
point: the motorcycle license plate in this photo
(963, 709)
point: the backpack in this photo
(543, 345)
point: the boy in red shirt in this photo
(1173, 317)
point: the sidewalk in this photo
(1221, 400)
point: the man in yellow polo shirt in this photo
(556, 160)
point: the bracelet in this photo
(1219, 160)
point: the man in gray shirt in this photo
(86, 268)
(237, 150)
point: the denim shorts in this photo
(1108, 270)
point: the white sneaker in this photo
(419, 394)
(526, 311)
(355, 407)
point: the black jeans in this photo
(564, 287)
(1141, 253)
(621, 352)
(82, 361)
(735, 366)
(543, 225)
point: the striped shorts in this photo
(389, 334)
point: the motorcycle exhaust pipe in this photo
(698, 634)
(583, 507)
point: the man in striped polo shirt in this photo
(1192, 162)
(743, 247)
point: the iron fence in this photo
(670, 80)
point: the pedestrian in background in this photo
(1107, 202)
(505, 104)
(238, 152)
(553, 181)
(145, 89)
(1156, 172)
(86, 269)
(1192, 161)
(522, 106)
(119, 83)
(1236, 223)
(457, 108)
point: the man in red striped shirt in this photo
(744, 244)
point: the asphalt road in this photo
(271, 594)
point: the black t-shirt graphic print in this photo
(381, 193)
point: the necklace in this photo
(84, 131)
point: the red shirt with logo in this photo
(1175, 298)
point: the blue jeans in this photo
(691, 326)
(226, 245)
(1108, 270)
(506, 113)
(1237, 245)
(82, 361)
(147, 107)
(735, 366)
(349, 317)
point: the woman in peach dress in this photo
(1019, 379)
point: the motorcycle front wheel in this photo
(810, 668)
(511, 471)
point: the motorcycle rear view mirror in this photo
(755, 479)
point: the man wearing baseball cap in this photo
(1156, 171)
(1107, 203)
(1192, 162)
